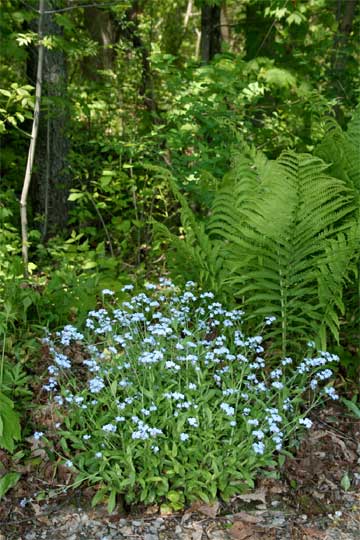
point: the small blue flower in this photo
(330, 391)
(305, 422)
(228, 410)
(258, 447)
(109, 428)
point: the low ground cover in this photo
(161, 397)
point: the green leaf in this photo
(76, 196)
(98, 497)
(8, 481)
(112, 501)
(10, 424)
(352, 406)
(345, 482)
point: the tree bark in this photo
(210, 43)
(105, 31)
(131, 32)
(51, 181)
(345, 17)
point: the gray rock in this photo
(150, 536)
(126, 531)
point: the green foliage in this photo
(9, 423)
(341, 150)
(352, 406)
(8, 481)
(196, 256)
(281, 237)
(169, 401)
(15, 105)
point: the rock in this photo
(126, 531)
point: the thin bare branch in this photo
(32, 146)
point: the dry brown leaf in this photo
(310, 533)
(258, 495)
(348, 454)
(270, 485)
(248, 518)
(36, 508)
(209, 510)
(44, 520)
(243, 531)
(197, 532)
(150, 510)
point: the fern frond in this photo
(276, 251)
(341, 150)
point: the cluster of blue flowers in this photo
(159, 362)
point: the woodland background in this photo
(160, 150)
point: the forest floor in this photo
(317, 498)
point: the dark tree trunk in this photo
(210, 32)
(131, 32)
(345, 16)
(51, 178)
(104, 30)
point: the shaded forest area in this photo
(179, 292)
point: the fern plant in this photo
(341, 150)
(280, 237)
(296, 225)
(193, 255)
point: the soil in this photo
(317, 498)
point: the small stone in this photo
(150, 536)
(122, 522)
(137, 523)
(126, 531)
(178, 529)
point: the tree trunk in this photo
(225, 25)
(341, 55)
(51, 179)
(345, 17)
(104, 30)
(210, 32)
(146, 89)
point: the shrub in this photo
(164, 399)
